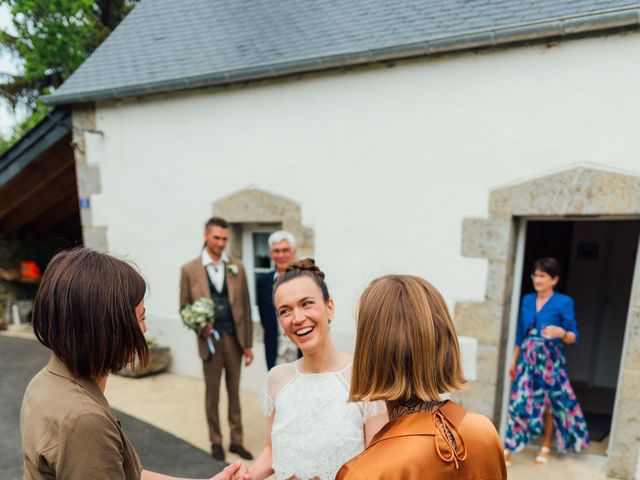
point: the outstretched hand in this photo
(242, 473)
(229, 472)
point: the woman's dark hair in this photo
(84, 312)
(304, 268)
(548, 265)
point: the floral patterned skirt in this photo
(541, 382)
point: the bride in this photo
(311, 428)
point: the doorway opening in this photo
(598, 259)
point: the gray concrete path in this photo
(21, 359)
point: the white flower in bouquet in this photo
(232, 268)
(198, 315)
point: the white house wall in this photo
(385, 163)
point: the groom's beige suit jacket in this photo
(194, 285)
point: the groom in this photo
(215, 275)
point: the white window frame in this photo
(247, 258)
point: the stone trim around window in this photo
(254, 206)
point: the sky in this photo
(6, 65)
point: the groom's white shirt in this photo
(215, 270)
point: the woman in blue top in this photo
(542, 400)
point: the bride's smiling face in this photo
(303, 313)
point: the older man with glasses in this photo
(277, 346)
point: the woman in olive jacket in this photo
(89, 311)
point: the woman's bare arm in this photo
(373, 424)
(263, 465)
(226, 474)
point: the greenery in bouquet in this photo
(198, 314)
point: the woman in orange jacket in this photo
(407, 354)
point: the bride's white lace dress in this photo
(315, 430)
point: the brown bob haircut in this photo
(84, 312)
(406, 345)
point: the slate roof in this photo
(46, 133)
(165, 45)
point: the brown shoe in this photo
(217, 452)
(240, 450)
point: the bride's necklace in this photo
(413, 406)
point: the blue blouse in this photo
(558, 311)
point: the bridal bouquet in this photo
(197, 315)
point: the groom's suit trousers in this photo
(228, 357)
(194, 284)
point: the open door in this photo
(598, 259)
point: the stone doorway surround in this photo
(254, 206)
(577, 192)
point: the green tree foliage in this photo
(23, 127)
(52, 38)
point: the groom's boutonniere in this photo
(232, 268)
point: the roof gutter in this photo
(533, 31)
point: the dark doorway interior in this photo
(598, 259)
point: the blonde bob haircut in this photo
(406, 345)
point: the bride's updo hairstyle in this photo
(304, 268)
(406, 345)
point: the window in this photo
(255, 255)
